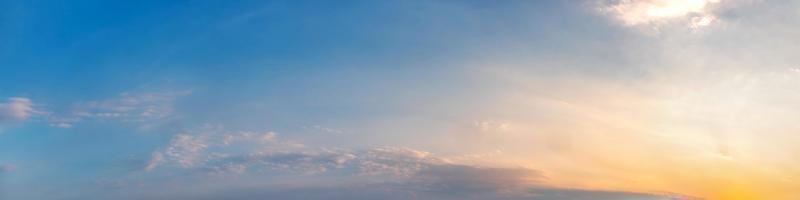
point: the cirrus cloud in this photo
(145, 108)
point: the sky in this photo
(417, 99)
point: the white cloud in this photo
(492, 125)
(185, 149)
(16, 109)
(701, 21)
(695, 13)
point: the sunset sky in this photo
(400, 99)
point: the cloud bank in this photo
(331, 173)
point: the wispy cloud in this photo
(132, 106)
(323, 129)
(4, 168)
(16, 109)
(376, 173)
(155, 159)
(492, 125)
(152, 107)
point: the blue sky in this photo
(545, 100)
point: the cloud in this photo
(695, 13)
(16, 109)
(322, 129)
(147, 108)
(132, 106)
(211, 150)
(376, 173)
(410, 176)
(402, 162)
(264, 152)
(397, 173)
(466, 179)
(230, 138)
(401, 191)
(183, 149)
(4, 168)
(303, 162)
(492, 126)
(435, 181)
(155, 159)
(187, 150)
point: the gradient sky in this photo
(429, 99)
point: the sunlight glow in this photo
(656, 11)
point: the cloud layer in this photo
(378, 173)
